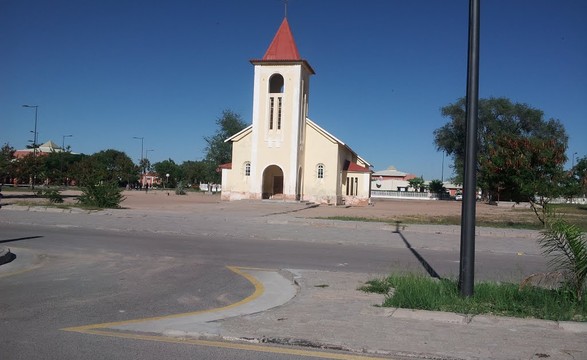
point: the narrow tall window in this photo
(320, 171)
(271, 106)
(279, 113)
(348, 186)
(247, 169)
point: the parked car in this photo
(459, 197)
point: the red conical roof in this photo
(283, 46)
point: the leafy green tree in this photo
(145, 165)
(67, 164)
(417, 183)
(194, 172)
(49, 167)
(168, 167)
(106, 166)
(520, 153)
(217, 151)
(25, 169)
(6, 163)
(579, 178)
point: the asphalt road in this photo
(74, 275)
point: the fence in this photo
(391, 194)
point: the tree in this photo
(168, 167)
(436, 187)
(194, 172)
(217, 151)
(417, 183)
(578, 178)
(6, 163)
(521, 155)
(106, 166)
(25, 168)
(145, 165)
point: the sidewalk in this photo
(329, 312)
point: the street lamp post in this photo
(34, 144)
(141, 160)
(61, 157)
(147, 153)
(147, 162)
(167, 181)
(573, 169)
(442, 170)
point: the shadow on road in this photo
(7, 259)
(19, 239)
(422, 261)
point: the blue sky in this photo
(106, 71)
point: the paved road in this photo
(115, 266)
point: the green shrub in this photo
(53, 195)
(180, 188)
(104, 195)
(566, 246)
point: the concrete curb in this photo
(570, 326)
(49, 209)
(5, 255)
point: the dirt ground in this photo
(159, 200)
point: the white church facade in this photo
(283, 155)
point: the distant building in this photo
(391, 179)
(283, 154)
(150, 179)
(44, 149)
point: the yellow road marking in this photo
(259, 290)
(97, 329)
(233, 346)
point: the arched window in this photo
(320, 171)
(276, 83)
(247, 168)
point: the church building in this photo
(283, 155)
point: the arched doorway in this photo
(272, 182)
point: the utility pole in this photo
(35, 145)
(467, 258)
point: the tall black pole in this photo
(467, 268)
(35, 137)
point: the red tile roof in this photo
(351, 166)
(283, 46)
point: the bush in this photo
(566, 246)
(53, 195)
(180, 189)
(105, 195)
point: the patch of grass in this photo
(352, 218)
(502, 299)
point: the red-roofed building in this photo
(283, 154)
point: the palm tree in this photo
(566, 245)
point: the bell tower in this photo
(280, 106)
